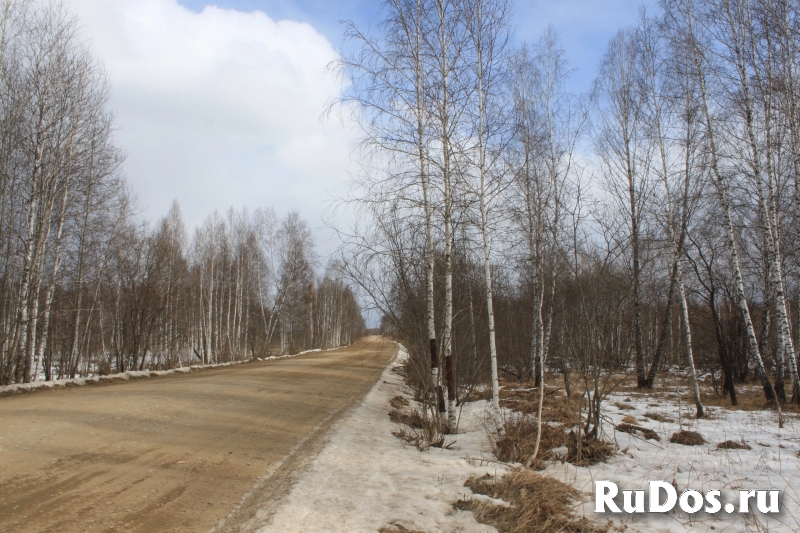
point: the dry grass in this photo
(562, 410)
(750, 395)
(687, 438)
(415, 428)
(398, 402)
(634, 429)
(538, 504)
(623, 407)
(556, 407)
(518, 439)
(421, 439)
(398, 528)
(476, 395)
(628, 419)
(586, 451)
(412, 418)
(733, 445)
(658, 418)
(559, 415)
(750, 398)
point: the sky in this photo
(220, 103)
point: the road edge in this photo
(261, 501)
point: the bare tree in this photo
(694, 46)
(488, 34)
(619, 141)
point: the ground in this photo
(388, 482)
(307, 444)
(174, 453)
(367, 480)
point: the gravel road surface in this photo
(183, 453)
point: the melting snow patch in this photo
(19, 388)
(771, 463)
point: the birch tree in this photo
(619, 142)
(694, 46)
(488, 34)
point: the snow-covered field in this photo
(366, 478)
(772, 463)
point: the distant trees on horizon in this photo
(85, 286)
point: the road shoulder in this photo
(365, 478)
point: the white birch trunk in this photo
(770, 230)
(687, 334)
(448, 222)
(487, 265)
(722, 189)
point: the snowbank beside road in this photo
(365, 478)
(19, 388)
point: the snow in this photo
(18, 388)
(771, 464)
(366, 478)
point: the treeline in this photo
(85, 286)
(506, 226)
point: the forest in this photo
(575, 287)
(87, 286)
(508, 229)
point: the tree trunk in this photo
(722, 189)
(665, 327)
(687, 337)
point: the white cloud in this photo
(219, 108)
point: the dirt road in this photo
(171, 454)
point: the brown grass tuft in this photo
(733, 445)
(628, 419)
(658, 418)
(555, 408)
(687, 438)
(518, 439)
(588, 450)
(398, 528)
(421, 439)
(412, 419)
(539, 504)
(415, 428)
(398, 402)
(623, 407)
(633, 429)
